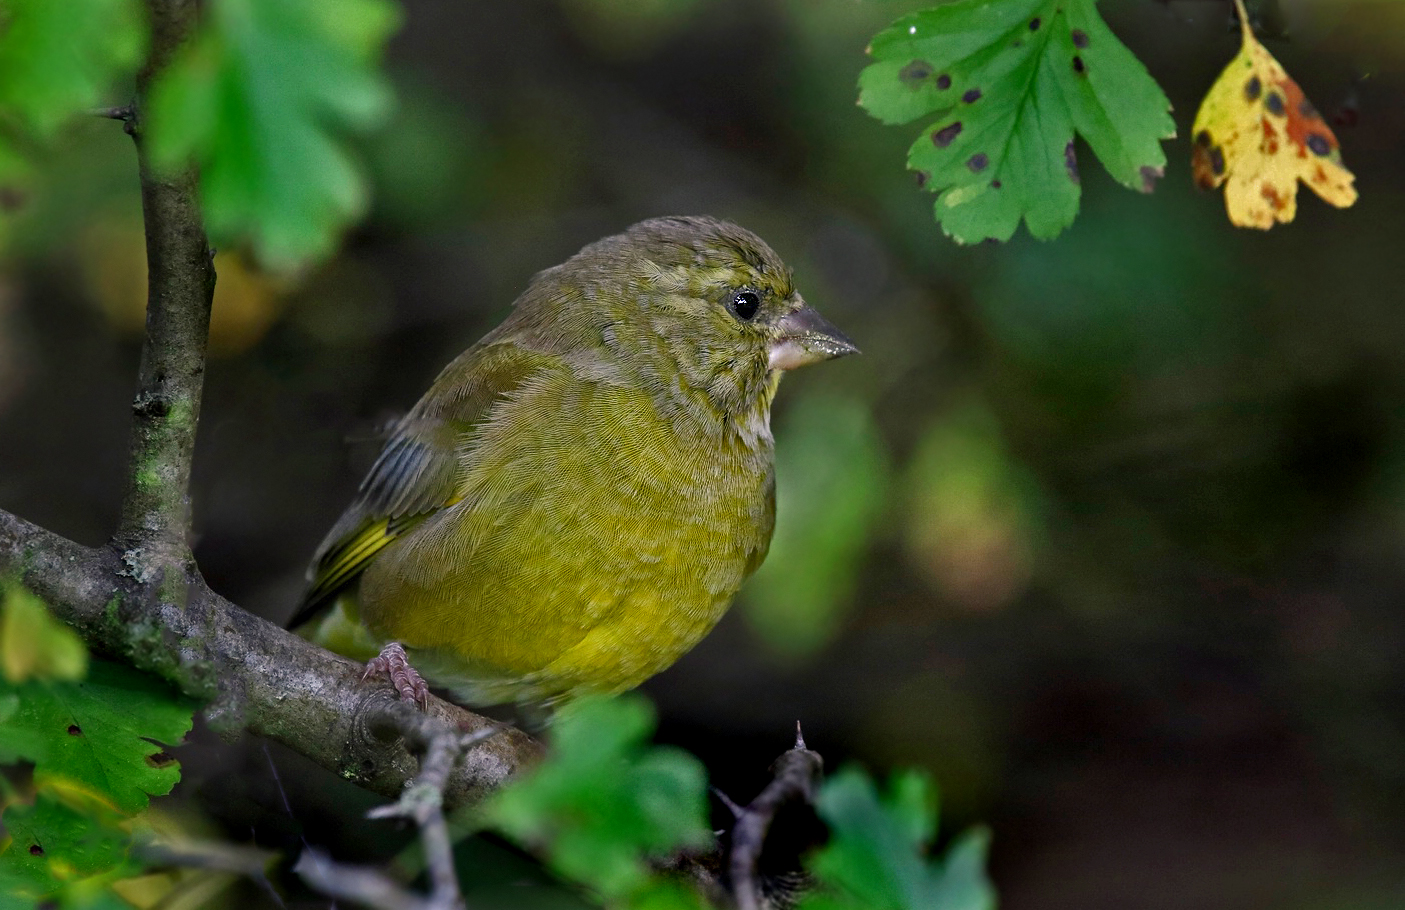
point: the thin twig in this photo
(795, 775)
(365, 886)
(248, 862)
(423, 803)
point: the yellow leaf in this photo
(34, 644)
(1258, 133)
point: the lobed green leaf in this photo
(101, 732)
(1011, 82)
(260, 101)
(876, 855)
(604, 801)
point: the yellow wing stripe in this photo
(348, 560)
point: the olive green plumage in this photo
(577, 498)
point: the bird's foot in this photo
(395, 663)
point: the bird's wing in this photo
(418, 471)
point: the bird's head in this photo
(705, 310)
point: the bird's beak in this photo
(807, 337)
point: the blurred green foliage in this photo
(58, 59)
(1011, 82)
(91, 734)
(258, 101)
(876, 855)
(604, 802)
(831, 486)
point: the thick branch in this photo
(180, 289)
(256, 676)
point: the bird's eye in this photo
(745, 304)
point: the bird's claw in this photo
(395, 663)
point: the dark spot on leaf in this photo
(943, 82)
(1271, 196)
(1274, 103)
(1149, 177)
(1078, 64)
(1071, 162)
(1202, 139)
(36, 850)
(12, 198)
(944, 136)
(972, 95)
(995, 184)
(1034, 24)
(1080, 38)
(1253, 88)
(922, 178)
(915, 73)
(1018, 43)
(977, 162)
(1319, 144)
(160, 760)
(1217, 161)
(75, 730)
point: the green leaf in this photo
(34, 644)
(604, 801)
(875, 858)
(831, 485)
(99, 732)
(259, 101)
(1011, 81)
(58, 58)
(66, 835)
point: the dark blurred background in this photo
(1105, 532)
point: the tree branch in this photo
(180, 290)
(795, 775)
(255, 675)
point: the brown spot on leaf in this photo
(1080, 38)
(1071, 162)
(995, 184)
(75, 730)
(971, 96)
(36, 850)
(12, 198)
(915, 73)
(977, 162)
(1253, 88)
(1274, 103)
(943, 82)
(161, 760)
(944, 136)
(1217, 161)
(1270, 194)
(1149, 177)
(1078, 65)
(1319, 144)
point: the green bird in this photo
(575, 501)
